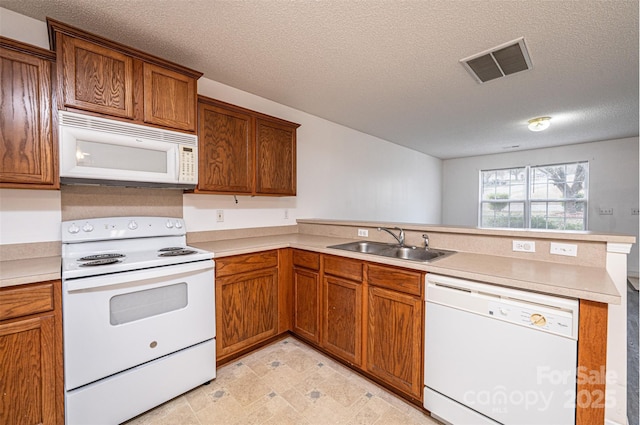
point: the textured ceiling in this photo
(391, 68)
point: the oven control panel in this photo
(121, 228)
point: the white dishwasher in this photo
(495, 355)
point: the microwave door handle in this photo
(177, 161)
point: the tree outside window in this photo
(539, 197)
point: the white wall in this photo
(613, 183)
(342, 174)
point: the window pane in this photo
(558, 215)
(503, 214)
(555, 197)
(503, 184)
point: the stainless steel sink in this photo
(411, 253)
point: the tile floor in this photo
(285, 383)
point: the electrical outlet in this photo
(606, 211)
(220, 216)
(568, 249)
(363, 232)
(524, 246)
(286, 214)
(635, 211)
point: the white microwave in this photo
(103, 151)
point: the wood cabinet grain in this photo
(306, 295)
(395, 339)
(342, 318)
(31, 355)
(95, 78)
(246, 302)
(592, 362)
(28, 154)
(169, 98)
(226, 150)
(306, 314)
(100, 76)
(275, 158)
(244, 152)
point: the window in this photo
(540, 197)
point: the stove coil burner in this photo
(101, 257)
(102, 262)
(172, 248)
(175, 251)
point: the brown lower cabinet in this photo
(306, 295)
(342, 281)
(246, 301)
(371, 316)
(394, 339)
(31, 389)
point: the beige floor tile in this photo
(285, 383)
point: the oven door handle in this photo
(130, 278)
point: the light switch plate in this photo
(220, 216)
(606, 211)
(363, 232)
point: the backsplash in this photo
(79, 202)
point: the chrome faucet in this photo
(399, 237)
(426, 240)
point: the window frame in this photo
(528, 200)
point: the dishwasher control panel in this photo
(543, 313)
(559, 322)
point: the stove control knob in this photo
(73, 229)
(132, 225)
(178, 224)
(169, 224)
(87, 227)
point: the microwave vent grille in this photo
(125, 129)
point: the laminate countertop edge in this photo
(587, 283)
(30, 270)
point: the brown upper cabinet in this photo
(244, 152)
(104, 77)
(27, 153)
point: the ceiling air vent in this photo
(499, 61)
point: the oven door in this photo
(118, 321)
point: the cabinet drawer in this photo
(396, 279)
(246, 263)
(343, 267)
(310, 260)
(25, 300)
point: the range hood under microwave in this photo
(102, 151)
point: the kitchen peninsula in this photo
(295, 253)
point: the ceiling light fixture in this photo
(539, 124)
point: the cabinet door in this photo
(225, 150)
(169, 98)
(275, 158)
(246, 309)
(27, 155)
(95, 78)
(306, 309)
(394, 336)
(27, 368)
(342, 319)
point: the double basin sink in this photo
(403, 252)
